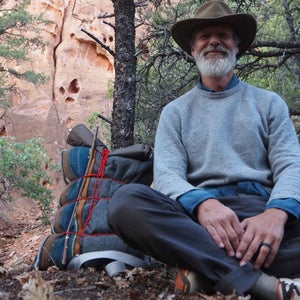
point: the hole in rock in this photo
(74, 87)
(69, 100)
(62, 90)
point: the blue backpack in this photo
(80, 235)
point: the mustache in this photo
(214, 48)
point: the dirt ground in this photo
(21, 234)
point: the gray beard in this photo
(215, 67)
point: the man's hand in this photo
(221, 223)
(267, 228)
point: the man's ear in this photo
(237, 50)
(192, 50)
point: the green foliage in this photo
(22, 165)
(296, 121)
(165, 72)
(36, 78)
(110, 89)
(23, 170)
(15, 45)
(158, 86)
(277, 73)
(103, 128)
(12, 50)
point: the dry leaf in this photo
(53, 269)
(121, 283)
(34, 287)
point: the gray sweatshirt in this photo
(209, 139)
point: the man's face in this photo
(214, 50)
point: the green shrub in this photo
(24, 172)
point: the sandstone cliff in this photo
(78, 68)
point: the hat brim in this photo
(244, 26)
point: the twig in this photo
(99, 42)
(104, 119)
(92, 287)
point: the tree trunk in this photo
(122, 130)
(292, 23)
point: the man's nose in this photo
(214, 40)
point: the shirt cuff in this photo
(191, 199)
(290, 205)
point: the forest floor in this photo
(21, 234)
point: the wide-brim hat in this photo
(216, 12)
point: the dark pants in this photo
(163, 229)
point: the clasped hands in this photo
(257, 238)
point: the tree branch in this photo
(99, 42)
(279, 44)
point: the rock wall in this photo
(78, 68)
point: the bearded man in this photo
(225, 206)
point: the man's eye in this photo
(203, 36)
(224, 36)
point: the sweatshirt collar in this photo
(234, 81)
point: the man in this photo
(226, 203)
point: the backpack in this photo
(80, 235)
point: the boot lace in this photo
(288, 290)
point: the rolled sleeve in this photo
(193, 198)
(289, 205)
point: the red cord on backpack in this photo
(95, 197)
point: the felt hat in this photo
(216, 12)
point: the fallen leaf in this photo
(34, 287)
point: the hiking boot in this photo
(288, 289)
(188, 282)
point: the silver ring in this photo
(265, 244)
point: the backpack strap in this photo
(115, 261)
